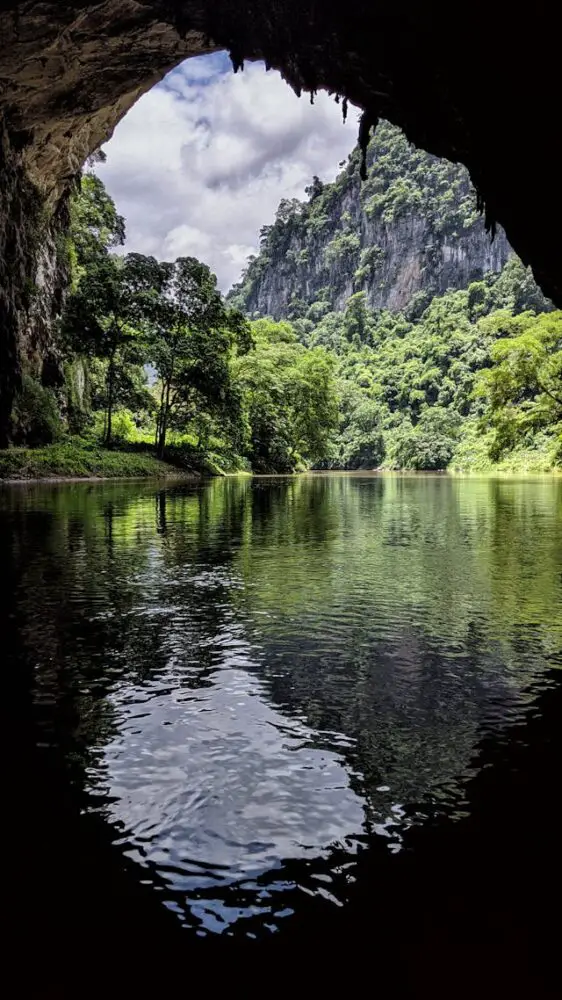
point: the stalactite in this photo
(490, 224)
(367, 122)
(236, 58)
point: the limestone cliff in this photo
(410, 228)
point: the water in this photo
(246, 690)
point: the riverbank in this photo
(75, 461)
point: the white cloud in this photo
(202, 161)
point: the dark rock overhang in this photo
(479, 84)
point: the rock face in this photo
(32, 281)
(410, 228)
(33, 277)
(461, 88)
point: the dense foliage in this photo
(475, 378)
(288, 399)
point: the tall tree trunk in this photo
(110, 393)
(165, 408)
(164, 424)
(159, 419)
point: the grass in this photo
(524, 461)
(472, 455)
(80, 460)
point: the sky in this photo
(200, 163)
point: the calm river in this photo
(244, 689)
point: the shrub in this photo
(343, 247)
(35, 417)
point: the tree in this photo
(101, 314)
(515, 289)
(427, 446)
(314, 190)
(101, 320)
(191, 337)
(357, 319)
(288, 398)
(523, 388)
(96, 227)
(360, 441)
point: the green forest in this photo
(472, 382)
(159, 368)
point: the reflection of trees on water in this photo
(85, 567)
(413, 694)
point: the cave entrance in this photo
(237, 171)
(70, 74)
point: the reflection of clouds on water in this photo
(213, 786)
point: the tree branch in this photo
(543, 388)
